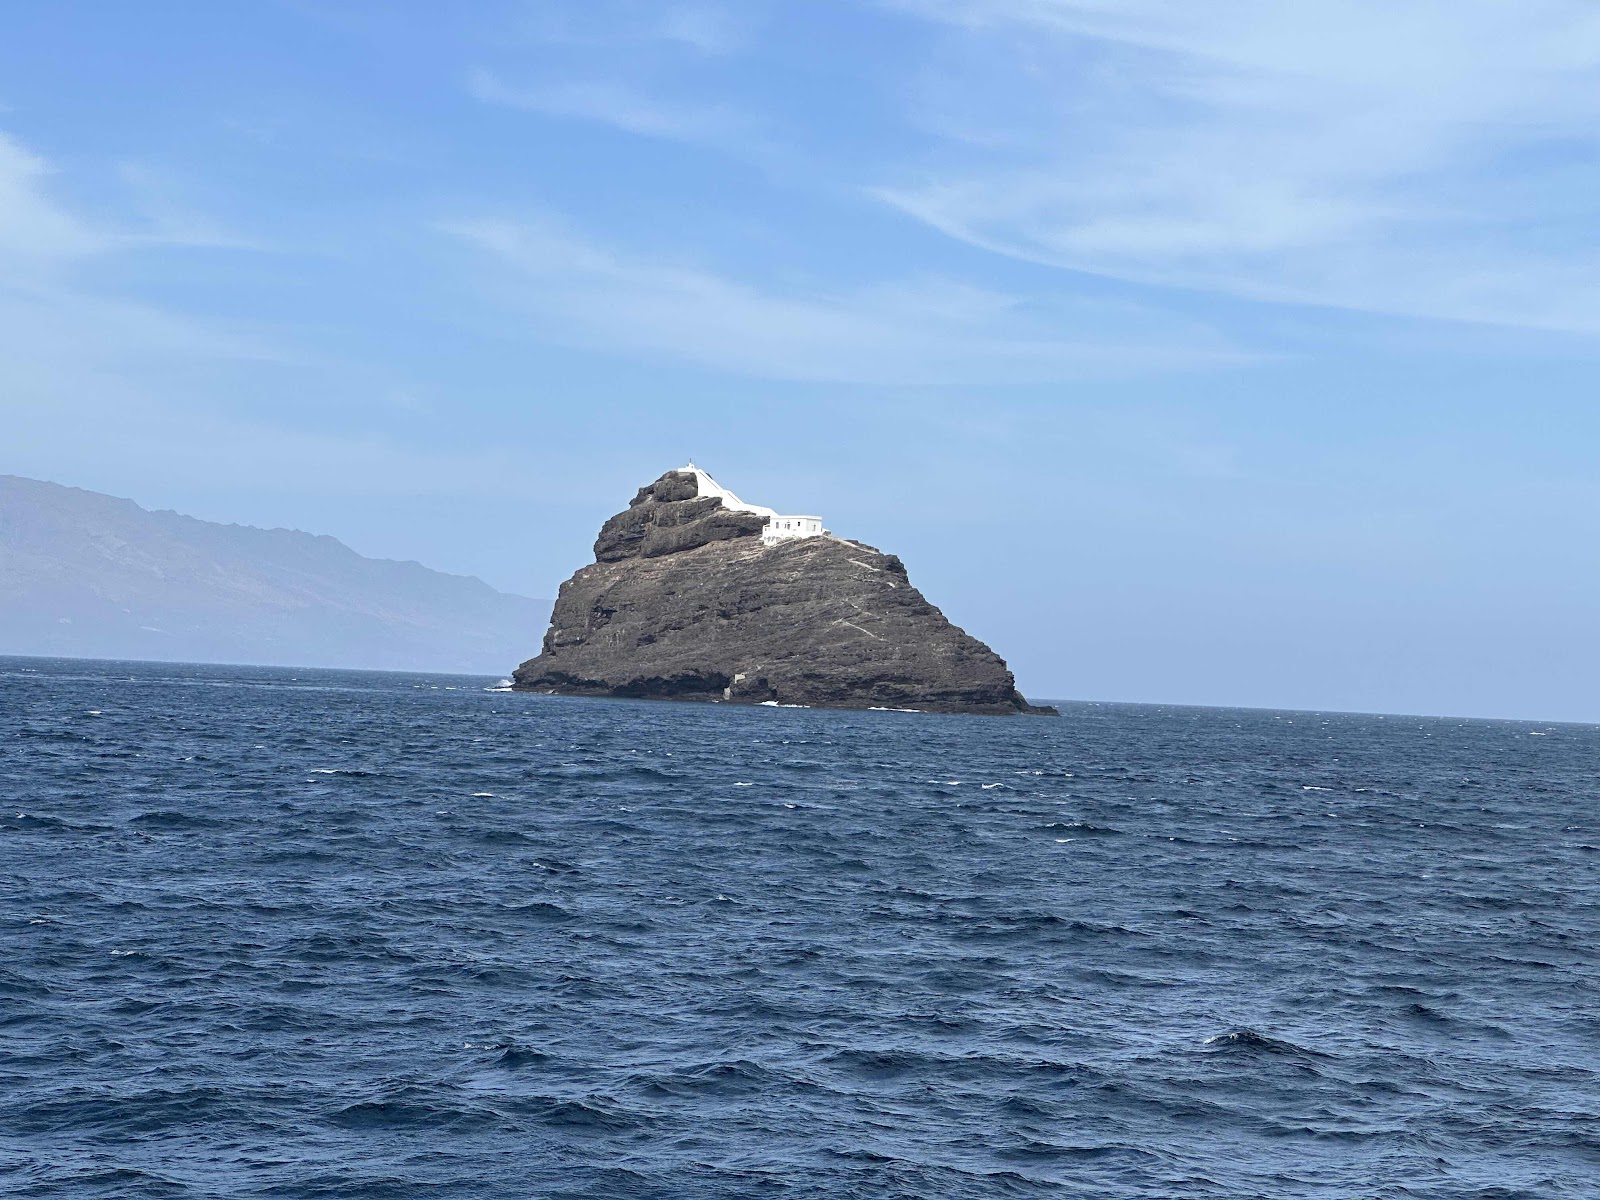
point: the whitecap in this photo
(484, 795)
(989, 787)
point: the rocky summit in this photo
(694, 595)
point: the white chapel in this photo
(779, 527)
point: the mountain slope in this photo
(88, 575)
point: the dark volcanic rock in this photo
(684, 602)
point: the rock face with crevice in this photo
(683, 602)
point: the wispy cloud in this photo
(169, 219)
(37, 229)
(711, 29)
(642, 66)
(47, 252)
(33, 226)
(612, 102)
(1431, 158)
(72, 353)
(98, 381)
(707, 27)
(919, 331)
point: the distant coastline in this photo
(89, 575)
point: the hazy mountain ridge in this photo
(85, 574)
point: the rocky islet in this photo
(685, 602)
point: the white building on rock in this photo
(779, 527)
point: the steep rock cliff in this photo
(684, 602)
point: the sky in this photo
(1188, 351)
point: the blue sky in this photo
(1207, 351)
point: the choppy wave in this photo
(334, 934)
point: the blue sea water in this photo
(318, 933)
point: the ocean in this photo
(339, 934)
